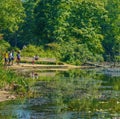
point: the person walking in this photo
(18, 57)
(6, 56)
(12, 59)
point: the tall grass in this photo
(9, 80)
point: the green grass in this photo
(11, 81)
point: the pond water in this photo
(74, 94)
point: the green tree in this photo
(45, 20)
(85, 25)
(65, 21)
(11, 14)
(27, 29)
(111, 28)
(11, 17)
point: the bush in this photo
(74, 53)
(117, 58)
(4, 45)
(32, 50)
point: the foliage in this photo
(86, 26)
(74, 53)
(4, 45)
(12, 13)
(32, 50)
(92, 26)
(117, 58)
(25, 34)
(9, 78)
(111, 29)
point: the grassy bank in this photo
(11, 81)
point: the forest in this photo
(73, 31)
(81, 37)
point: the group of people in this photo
(9, 58)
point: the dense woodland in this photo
(73, 31)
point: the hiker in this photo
(12, 58)
(36, 57)
(6, 58)
(18, 57)
(33, 60)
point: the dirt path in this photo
(23, 67)
(40, 67)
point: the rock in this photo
(11, 97)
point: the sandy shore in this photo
(5, 95)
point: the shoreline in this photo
(23, 67)
(6, 95)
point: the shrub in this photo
(32, 50)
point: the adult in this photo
(6, 56)
(18, 57)
(36, 57)
(12, 59)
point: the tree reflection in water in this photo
(71, 95)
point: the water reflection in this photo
(77, 94)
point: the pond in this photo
(74, 94)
